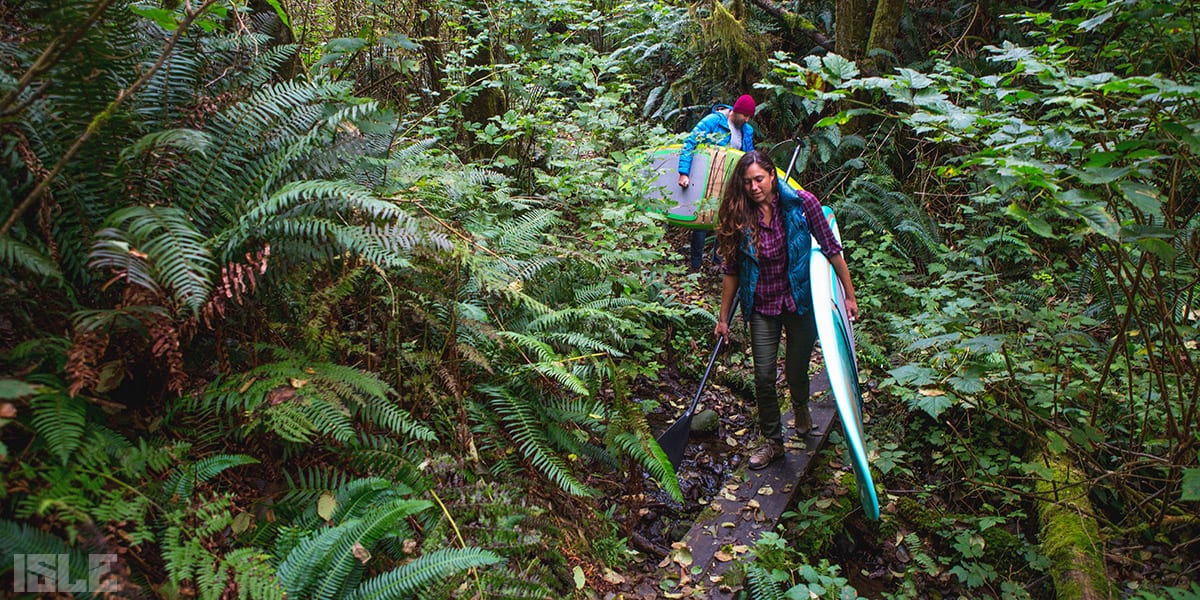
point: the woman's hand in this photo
(721, 330)
(843, 272)
(684, 180)
(852, 308)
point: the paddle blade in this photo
(674, 440)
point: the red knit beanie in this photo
(744, 105)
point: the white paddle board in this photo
(837, 346)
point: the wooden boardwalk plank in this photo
(753, 501)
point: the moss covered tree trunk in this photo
(1068, 533)
(885, 27)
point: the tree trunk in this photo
(851, 28)
(488, 100)
(1069, 535)
(885, 28)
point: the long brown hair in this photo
(738, 214)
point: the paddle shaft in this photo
(711, 360)
(675, 438)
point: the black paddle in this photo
(675, 439)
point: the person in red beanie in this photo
(724, 125)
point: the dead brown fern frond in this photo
(237, 281)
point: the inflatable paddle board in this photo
(696, 205)
(837, 346)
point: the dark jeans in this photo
(764, 343)
(698, 238)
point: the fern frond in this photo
(520, 420)
(356, 498)
(183, 480)
(307, 485)
(189, 140)
(542, 352)
(383, 456)
(158, 244)
(763, 585)
(322, 566)
(59, 420)
(648, 454)
(423, 573)
(20, 539)
(254, 575)
(17, 254)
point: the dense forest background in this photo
(355, 299)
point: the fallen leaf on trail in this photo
(722, 556)
(740, 549)
(732, 442)
(753, 503)
(361, 553)
(931, 392)
(613, 577)
(728, 524)
(740, 432)
(681, 555)
(766, 490)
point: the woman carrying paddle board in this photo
(763, 235)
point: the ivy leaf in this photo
(1096, 21)
(915, 375)
(1101, 175)
(970, 383)
(1164, 251)
(1143, 197)
(1058, 139)
(838, 69)
(1095, 214)
(1191, 485)
(1036, 224)
(934, 405)
(163, 17)
(1055, 443)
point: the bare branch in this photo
(795, 23)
